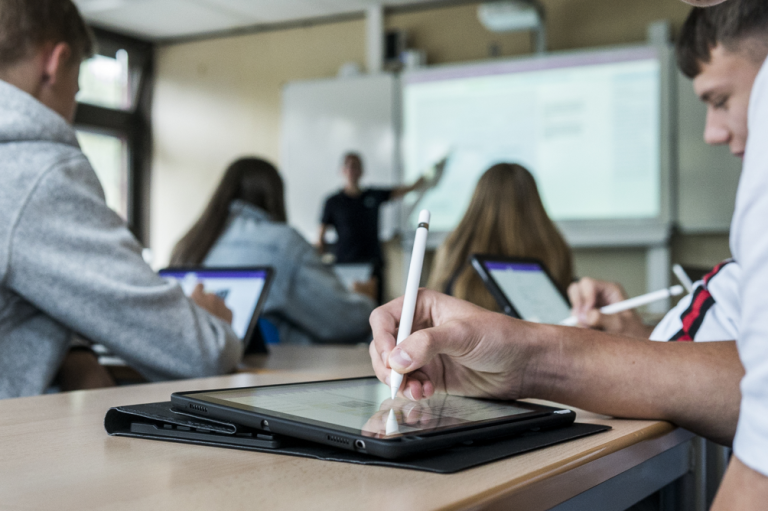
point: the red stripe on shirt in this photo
(695, 312)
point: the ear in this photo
(57, 63)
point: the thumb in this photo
(423, 346)
(199, 290)
(594, 319)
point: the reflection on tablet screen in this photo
(365, 407)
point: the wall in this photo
(220, 98)
(453, 34)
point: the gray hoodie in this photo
(307, 302)
(68, 264)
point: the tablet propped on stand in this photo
(523, 288)
(358, 415)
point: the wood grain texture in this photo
(56, 455)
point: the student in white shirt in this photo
(709, 313)
(746, 483)
(461, 349)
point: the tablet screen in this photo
(363, 407)
(530, 291)
(240, 290)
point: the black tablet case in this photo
(118, 422)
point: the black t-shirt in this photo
(356, 220)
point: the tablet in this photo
(349, 273)
(523, 288)
(244, 291)
(358, 415)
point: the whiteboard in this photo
(707, 176)
(322, 120)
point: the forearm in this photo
(742, 488)
(694, 385)
(319, 303)
(321, 238)
(401, 191)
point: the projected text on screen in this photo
(587, 126)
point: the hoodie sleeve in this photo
(318, 302)
(74, 259)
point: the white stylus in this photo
(392, 427)
(683, 277)
(411, 291)
(632, 303)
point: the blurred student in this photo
(506, 218)
(68, 264)
(354, 213)
(244, 224)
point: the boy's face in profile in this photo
(725, 84)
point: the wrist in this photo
(546, 367)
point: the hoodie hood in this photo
(25, 119)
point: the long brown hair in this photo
(505, 218)
(252, 180)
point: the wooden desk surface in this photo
(56, 455)
(310, 359)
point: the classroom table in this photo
(54, 454)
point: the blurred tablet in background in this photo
(349, 273)
(523, 288)
(244, 291)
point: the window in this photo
(108, 155)
(112, 122)
(105, 81)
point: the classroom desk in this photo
(310, 359)
(56, 455)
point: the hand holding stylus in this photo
(456, 347)
(632, 303)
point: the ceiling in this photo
(157, 20)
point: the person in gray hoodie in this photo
(68, 264)
(245, 224)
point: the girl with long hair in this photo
(244, 224)
(507, 218)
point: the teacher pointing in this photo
(354, 213)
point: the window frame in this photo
(133, 125)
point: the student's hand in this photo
(589, 295)
(456, 348)
(211, 303)
(433, 176)
(369, 288)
